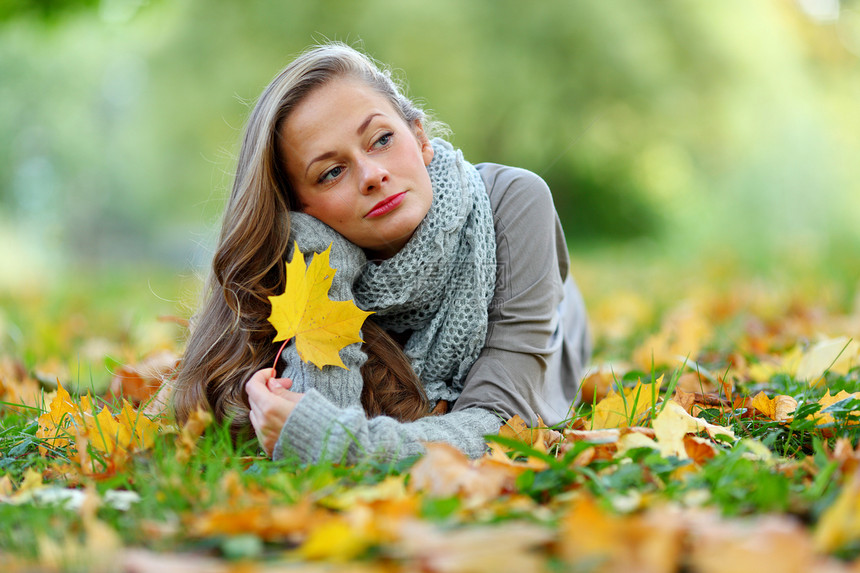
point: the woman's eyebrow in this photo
(359, 131)
(325, 155)
(366, 122)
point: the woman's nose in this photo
(373, 175)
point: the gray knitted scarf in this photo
(437, 287)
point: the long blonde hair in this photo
(231, 337)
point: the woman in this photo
(465, 268)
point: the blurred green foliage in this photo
(727, 123)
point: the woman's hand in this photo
(271, 404)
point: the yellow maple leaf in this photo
(53, 424)
(141, 430)
(321, 326)
(828, 400)
(104, 432)
(616, 411)
(336, 540)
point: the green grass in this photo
(783, 468)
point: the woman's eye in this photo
(331, 174)
(384, 140)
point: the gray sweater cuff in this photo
(310, 428)
(317, 429)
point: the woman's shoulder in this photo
(513, 188)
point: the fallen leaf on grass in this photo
(836, 355)
(140, 382)
(597, 540)
(847, 455)
(336, 540)
(16, 386)
(696, 382)
(191, 431)
(53, 424)
(777, 408)
(390, 489)
(270, 522)
(540, 438)
(620, 410)
(826, 401)
(445, 471)
(510, 546)
(769, 366)
(673, 424)
(767, 543)
(74, 425)
(596, 386)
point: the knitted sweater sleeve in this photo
(318, 430)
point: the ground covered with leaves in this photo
(717, 431)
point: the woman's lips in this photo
(386, 205)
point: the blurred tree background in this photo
(694, 125)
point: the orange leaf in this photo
(321, 326)
(777, 408)
(138, 383)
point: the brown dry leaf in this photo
(267, 521)
(6, 487)
(685, 399)
(699, 450)
(517, 429)
(605, 444)
(596, 540)
(445, 471)
(496, 456)
(193, 428)
(510, 546)
(696, 382)
(768, 543)
(607, 436)
(598, 383)
(847, 456)
(16, 386)
(138, 383)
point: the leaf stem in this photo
(278, 355)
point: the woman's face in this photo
(357, 166)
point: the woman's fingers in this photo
(279, 385)
(271, 404)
